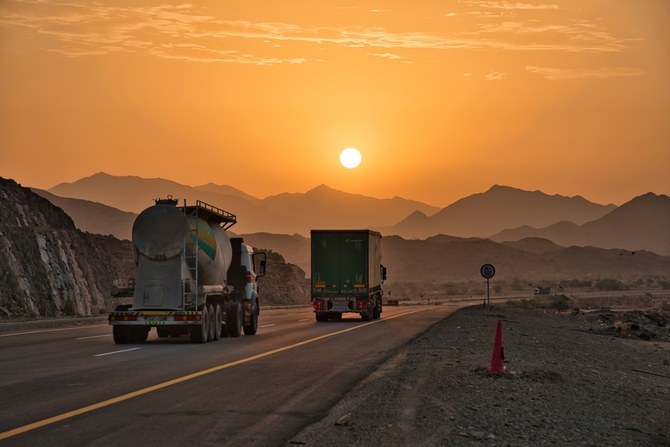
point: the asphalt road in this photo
(74, 386)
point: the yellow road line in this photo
(124, 397)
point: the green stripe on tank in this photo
(206, 240)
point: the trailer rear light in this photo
(318, 305)
(187, 318)
(123, 317)
(361, 305)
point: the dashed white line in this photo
(267, 325)
(115, 352)
(306, 319)
(93, 336)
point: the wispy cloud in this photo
(188, 33)
(392, 56)
(495, 76)
(511, 5)
(562, 74)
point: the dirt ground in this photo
(577, 378)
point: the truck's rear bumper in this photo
(342, 304)
(154, 318)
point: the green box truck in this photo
(347, 273)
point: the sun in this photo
(350, 157)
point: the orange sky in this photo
(443, 98)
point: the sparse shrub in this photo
(560, 302)
(609, 284)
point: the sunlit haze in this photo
(444, 98)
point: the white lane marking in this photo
(160, 386)
(115, 352)
(306, 319)
(52, 330)
(93, 336)
(267, 325)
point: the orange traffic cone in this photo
(497, 365)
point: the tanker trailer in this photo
(192, 278)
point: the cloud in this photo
(495, 76)
(562, 74)
(187, 32)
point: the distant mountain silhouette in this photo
(499, 208)
(225, 190)
(93, 217)
(534, 245)
(325, 208)
(643, 223)
(289, 213)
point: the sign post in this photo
(487, 271)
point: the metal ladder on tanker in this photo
(191, 261)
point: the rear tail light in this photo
(187, 318)
(123, 318)
(318, 305)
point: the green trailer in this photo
(347, 274)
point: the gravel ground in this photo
(584, 379)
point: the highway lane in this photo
(286, 378)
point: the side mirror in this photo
(383, 273)
(261, 268)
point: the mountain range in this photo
(643, 222)
(437, 260)
(501, 207)
(285, 213)
(501, 213)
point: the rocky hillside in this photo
(48, 268)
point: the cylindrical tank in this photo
(161, 232)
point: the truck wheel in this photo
(234, 319)
(212, 323)
(321, 317)
(252, 327)
(199, 332)
(121, 334)
(218, 322)
(365, 316)
(377, 311)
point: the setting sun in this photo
(350, 158)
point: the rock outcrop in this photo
(283, 284)
(48, 268)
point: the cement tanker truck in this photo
(192, 278)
